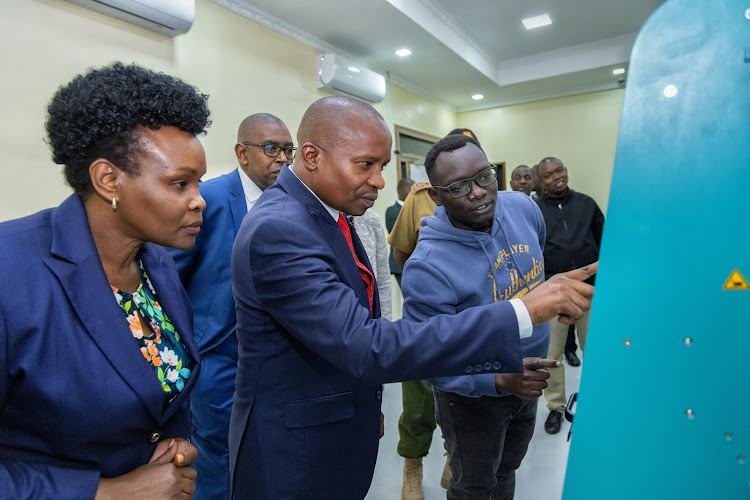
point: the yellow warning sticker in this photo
(736, 281)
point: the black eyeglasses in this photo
(272, 150)
(461, 188)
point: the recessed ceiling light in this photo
(618, 71)
(476, 97)
(403, 52)
(536, 22)
(353, 69)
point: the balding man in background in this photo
(574, 232)
(263, 146)
(526, 179)
(313, 351)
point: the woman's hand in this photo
(185, 452)
(167, 475)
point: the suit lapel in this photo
(237, 202)
(76, 264)
(169, 294)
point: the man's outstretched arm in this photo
(564, 295)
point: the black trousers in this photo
(487, 439)
(570, 343)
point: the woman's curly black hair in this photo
(97, 115)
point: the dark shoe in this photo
(572, 359)
(554, 420)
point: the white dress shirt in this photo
(252, 191)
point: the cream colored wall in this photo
(420, 114)
(580, 130)
(244, 67)
(406, 109)
(403, 108)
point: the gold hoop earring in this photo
(114, 204)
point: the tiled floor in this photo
(540, 476)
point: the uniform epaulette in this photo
(419, 185)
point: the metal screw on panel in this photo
(728, 436)
(747, 14)
(688, 341)
(628, 342)
(741, 459)
(690, 413)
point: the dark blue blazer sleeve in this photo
(24, 480)
(301, 287)
(205, 268)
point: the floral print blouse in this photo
(161, 346)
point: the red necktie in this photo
(365, 273)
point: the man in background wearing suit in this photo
(391, 214)
(313, 352)
(263, 146)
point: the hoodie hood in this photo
(439, 227)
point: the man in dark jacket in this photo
(391, 214)
(574, 231)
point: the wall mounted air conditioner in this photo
(338, 73)
(168, 17)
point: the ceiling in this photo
(466, 47)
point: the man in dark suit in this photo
(263, 146)
(391, 214)
(313, 352)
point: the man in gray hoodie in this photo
(473, 252)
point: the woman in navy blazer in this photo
(97, 357)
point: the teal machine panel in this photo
(664, 404)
